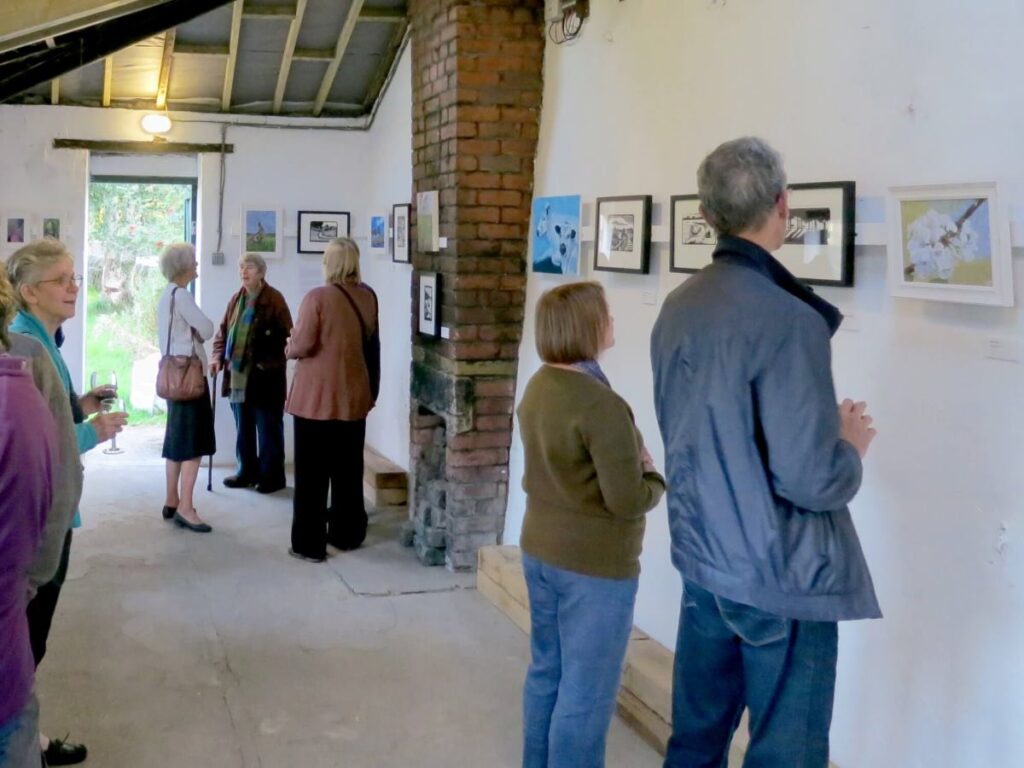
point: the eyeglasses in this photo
(64, 281)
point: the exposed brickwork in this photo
(477, 87)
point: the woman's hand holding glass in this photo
(103, 385)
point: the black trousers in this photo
(328, 454)
(41, 607)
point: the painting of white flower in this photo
(947, 241)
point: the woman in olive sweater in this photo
(589, 482)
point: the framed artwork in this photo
(318, 228)
(623, 236)
(430, 301)
(51, 227)
(261, 228)
(950, 243)
(378, 232)
(818, 248)
(400, 240)
(819, 237)
(428, 222)
(555, 235)
(692, 240)
(15, 230)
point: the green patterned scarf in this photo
(237, 349)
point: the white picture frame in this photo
(428, 222)
(950, 242)
(378, 234)
(261, 231)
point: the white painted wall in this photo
(883, 93)
(290, 169)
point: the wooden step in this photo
(385, 484)
(645, 696)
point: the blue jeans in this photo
(580, 629)
(730, 656)
(19, 738)
(262, 428)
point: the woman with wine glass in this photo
(183, 328)
(42, 274)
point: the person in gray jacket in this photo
(761, 463)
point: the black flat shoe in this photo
(306, 558)
(269, 487)
(235, 481)
(62, 752)
(197, 527)
(169, 512)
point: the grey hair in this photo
(256, 260)
(27, 265)
(739, 183)
(176, 259)
(341, 261)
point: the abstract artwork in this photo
(378, 225)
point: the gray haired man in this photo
(760, 465)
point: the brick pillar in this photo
(476, 108)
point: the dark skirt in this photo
(189, 432)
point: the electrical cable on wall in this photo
(570, 26)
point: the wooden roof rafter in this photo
(237, 11)
(339, 53)
(289, 53)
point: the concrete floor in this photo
(176, 649)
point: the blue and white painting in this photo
(555, 236)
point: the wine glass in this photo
(112, 405)
(105, 379)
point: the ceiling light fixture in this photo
(156, 123)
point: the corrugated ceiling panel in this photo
(137, 70)
(213, 28)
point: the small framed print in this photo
(692, 240)
(400, 222)
(261, 232)
(623, 236)
(15, 229)
(428, 222)
(51, 227)
(318, 228)
(430, 301)
(950, 243)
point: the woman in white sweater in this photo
(189, 434)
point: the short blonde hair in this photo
(341, 261)
(256, 260)
(176, 259)
(8, 306)
(28, 264)
(571, 323)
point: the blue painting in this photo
(555, 235)
(376, 231)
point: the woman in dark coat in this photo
(249, 348)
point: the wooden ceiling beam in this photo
(142, 147)
(388, 15)
(55, 91)
(166, 63)
(313, 54)
(200, 49)
(289, 52)
(339, 52)
(286, 11)
(229, 70)
(384, 68)
(108, 76)
(23, 22)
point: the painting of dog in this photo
(555, 235)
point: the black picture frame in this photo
(610, 251)
(429, 304)
(317, 228)
(814, 194)
(691, 238)
(400, 250)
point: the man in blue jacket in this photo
(761, 464)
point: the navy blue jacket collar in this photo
(736, 250)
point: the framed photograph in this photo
(378, 233)
(692, 240)
(555, 235)
(623, 236)
(15, 230)
(430, 303)
(261, 232)
(428, 222)
(400, 239)
(51, 227)
(950, 243)
(819, 238)
(318, 228)
(818, 248)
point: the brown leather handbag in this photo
(180, 377)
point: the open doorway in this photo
(131, 219)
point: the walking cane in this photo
(213, 406)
